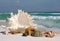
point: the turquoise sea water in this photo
(49, 20)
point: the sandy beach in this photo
(28, 38)
(19, 37)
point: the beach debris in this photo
(4, 32)
(50, 34)
(29, 29)
(32, 31)
(24, 34)
(20, 20)
(37, 33)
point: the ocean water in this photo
(50, 21)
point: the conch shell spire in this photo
(11, 14)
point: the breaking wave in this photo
(46, 17)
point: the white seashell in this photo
(20, 20)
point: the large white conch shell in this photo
(20, 20)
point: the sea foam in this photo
(46, 17)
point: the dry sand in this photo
(28, 38)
